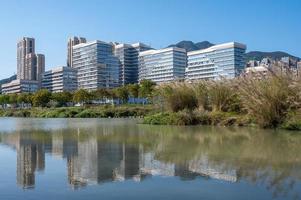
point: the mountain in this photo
(191, 46)
(252, 55)
(7, 80)
(276, 55)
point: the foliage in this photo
(41, 98)
(62, 98)
(81, 96)
(133, 90)
(122, 93)
(179, 97)
(223, 96)
(146, 88)
(270, 100)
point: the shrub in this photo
(179, 97)
(223, 96)
(269, 100)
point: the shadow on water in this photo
(99, 151)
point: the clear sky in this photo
(265, 25)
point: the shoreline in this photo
(148, 115)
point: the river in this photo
(122, 159)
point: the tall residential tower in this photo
(30, 65)
(25, 49)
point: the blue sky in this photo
(265, 25)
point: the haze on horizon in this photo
(262, 25)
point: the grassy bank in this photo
(81, 112)
(212, 118)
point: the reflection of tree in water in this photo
(261, 157)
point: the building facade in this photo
(20, 86)
(220, 61)
(60, 79)
(96, 65)
(128, 61)
(72, 42)
(164, 65)
(30, 65)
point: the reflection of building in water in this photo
(94, 163)
(182, 170)
(203, 167)
(98, 162)
(150, 165)
(30, 157)
(92, 160)
(26, 165)
(63, 146)
(129, 164)
(57, 145)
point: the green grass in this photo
(81, 112)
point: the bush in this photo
(269, 100)
(179, 97)
(86, 114)
(223, 96)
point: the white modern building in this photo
(220, 61)
(96, 65)
(20, 86)
(60, 79)
(163, 65)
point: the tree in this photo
(41, 98)
(23, 98)
(146, 88)
(4, 99)
(13, 99)
(62, 98)
(81, 96)
(100, 93)
(133, 90)
(122, 93)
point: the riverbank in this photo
(150, 114)
(81, 112)
(214, 119)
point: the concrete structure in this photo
(289, 62)
(30, 65)
(164, 65)
(96, 65)
(257, 72)
(60, 79)
(72, 42)
(128, 58)
(224, 60)
(20, 86)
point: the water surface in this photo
(120, 159)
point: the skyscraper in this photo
(72, 42)
(30, 65)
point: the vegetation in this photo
(269, 101)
